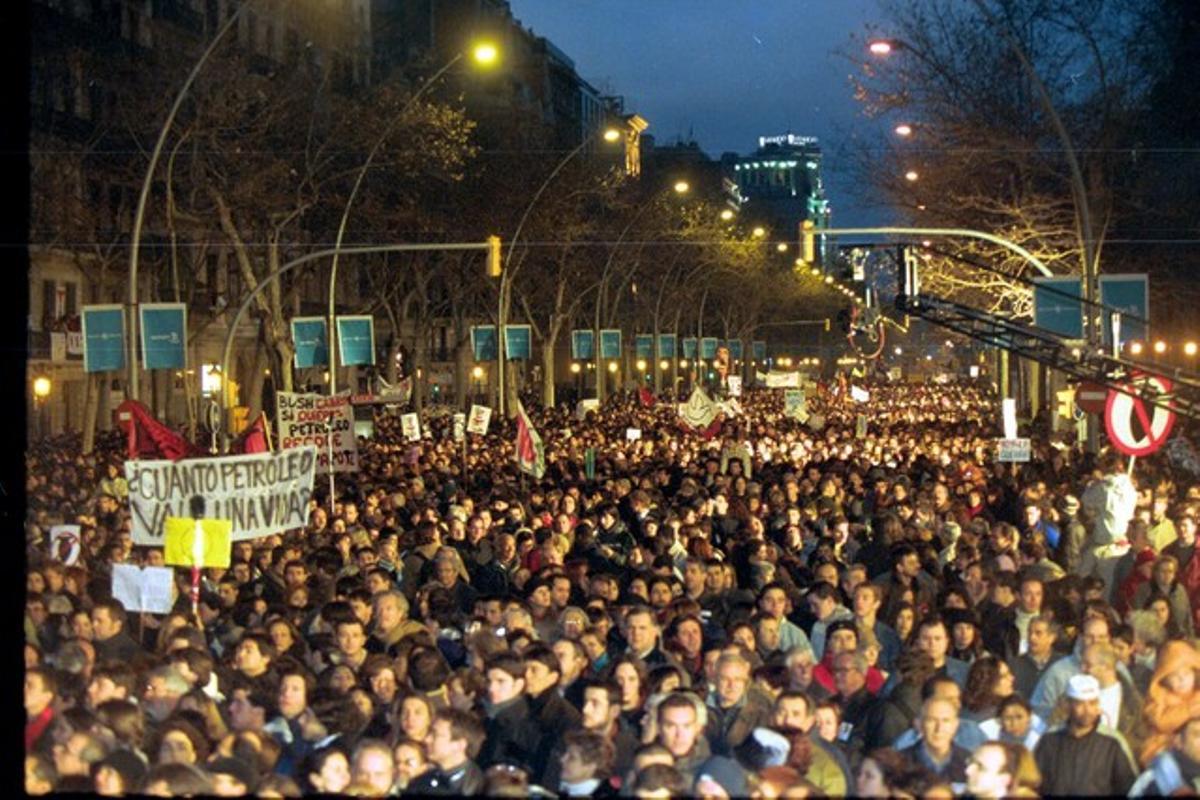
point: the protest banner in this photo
(633, 434)
(735, 386)
(1013, 450)
(410, 426)
(776, 379)
(326, 423)
(584, 406)
(859, 395)
(148, 590)
(459, 427)
(259, 494)
(479, 419)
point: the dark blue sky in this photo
(723, 71)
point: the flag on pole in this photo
(149, 438)
(531, 453)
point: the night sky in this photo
(723, 72)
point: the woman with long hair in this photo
(988, 682)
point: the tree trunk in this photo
(256, 380)
(91, 409)
(548, 367)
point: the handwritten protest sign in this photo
(410, 425)
(311, 419)
(479, 419)
(260, 494)
(1013, 450)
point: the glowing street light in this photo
(759, 232)
(641, 365)
(880, 47)
(575, 368)
(681, 187)
(1189, 349)
(911, 176)
(1160, 347)
(727, 214)
(477, 373)
(612, 366)
(664, 365)
(611, 135)
(782, 247)
(485, 53)
(903, 129)
(41, 387)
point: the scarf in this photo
(37, 726)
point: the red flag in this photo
(255, 439)
(646, 396)
(531, 454)
(149, 438)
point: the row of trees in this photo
(258, 169)
(1002, 96)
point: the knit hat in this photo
(1083, 687)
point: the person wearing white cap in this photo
(1082, 757)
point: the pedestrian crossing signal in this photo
(493, 257)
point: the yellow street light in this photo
(681, 187)
(903, 129)
(641, 365)
(485, 53)
(816, 361)
(612, 366)
(727, 214)
(815, 271)
(477, 373)
(41, 387)
(829, 279)
(1189, 349)
(782, 247)
(880, 47)
(1160, 347)
(575, 367)
(911, 175)
(664, 365)
(683, 363)
(1135, 348)
(611, 135)
(759, 232)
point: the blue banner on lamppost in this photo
(610, 343)
(689, 347)
(643, 346)
(356, 340)
(1058, 306)
(735, 348)
(583, 345)
(310, 335)
(1128, 294)
(666, 345)
(103, 338)
(164, 335)
(708, 348)
(759, 350)
(483, 342)
(518, 342)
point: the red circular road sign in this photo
(1122, 408)
(1091, 397)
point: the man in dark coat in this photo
(1082, 758)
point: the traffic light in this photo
(493, 257)
(808, 247)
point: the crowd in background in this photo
(783, 609)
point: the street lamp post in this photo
(483, 53)
(41, 390)
(140, 214)
(506, 274)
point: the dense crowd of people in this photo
(783, 609)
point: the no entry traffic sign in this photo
(1091, 398)
(1124, 407)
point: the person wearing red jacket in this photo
(841, 637)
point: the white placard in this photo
(311, 419)
(144, 589)
(1008, 411)
(586, 405)
(859, 395)
(261, 494)
(782, 380)
(735, 386)
(410, 426)
(65, 544)
(458, 426)
(1014, 450)
(479, 419)
(633, 434)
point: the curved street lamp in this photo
(484, 54)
